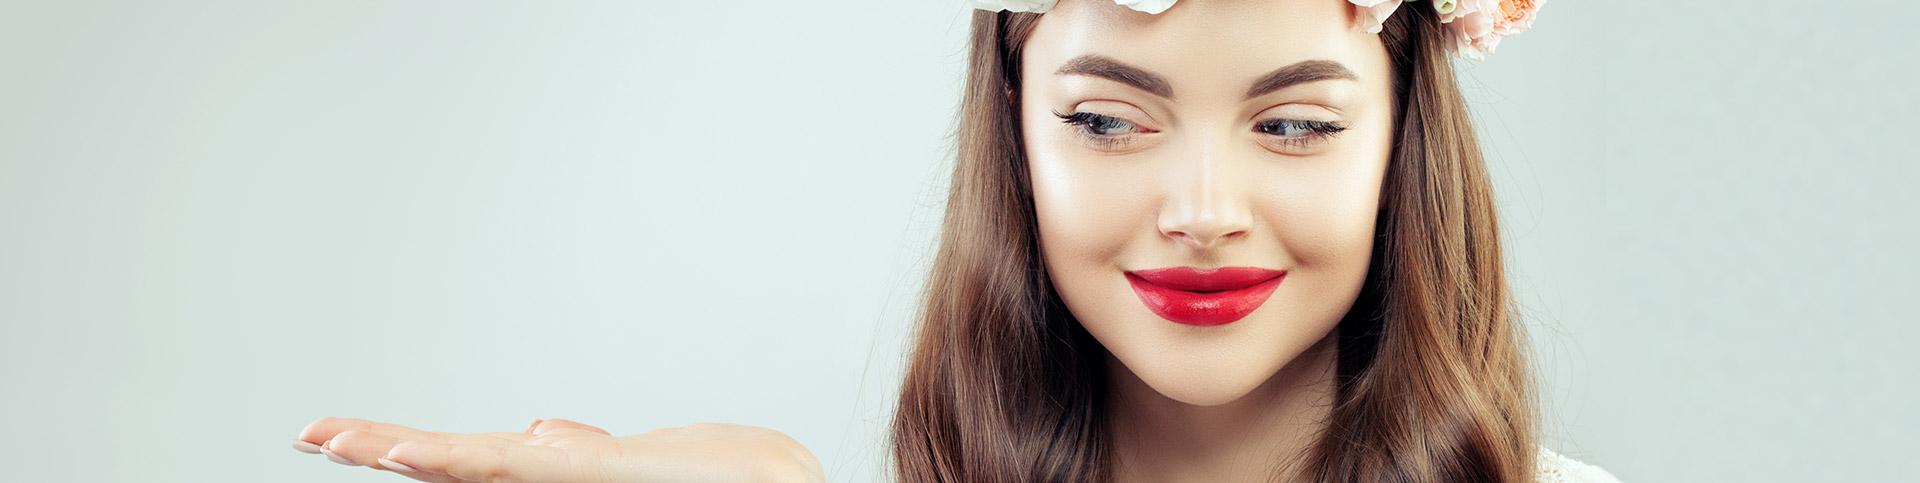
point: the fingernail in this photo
(337, 459)
(536, 424)
(396, 466)
(305, 447)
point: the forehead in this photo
(1203, 45)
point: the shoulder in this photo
(1551, 467)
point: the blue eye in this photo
(1110, 132)
(1299, 134)
(1097, 125)
(1295, 128)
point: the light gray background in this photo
(222, 220)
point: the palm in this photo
(565, 451)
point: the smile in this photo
(1193, 296)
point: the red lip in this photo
(1204, 297)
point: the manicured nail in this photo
(337, 459)
(305, 447)
(396, 466)
(536, 424)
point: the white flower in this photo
(1035, 6)
(1039, 6)
(1375, 12)
(1149, 6)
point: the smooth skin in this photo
(1191, 179)
(1187, 170)
(558, 450)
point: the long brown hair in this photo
(1005, 386)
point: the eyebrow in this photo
(1299, 73)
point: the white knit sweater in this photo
(1554, 468)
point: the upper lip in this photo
(1209, 280)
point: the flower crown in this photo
(1475, 26)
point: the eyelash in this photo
(1316, 130)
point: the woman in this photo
(1224, 240)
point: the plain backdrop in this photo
(220, 221)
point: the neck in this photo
(1251, 439)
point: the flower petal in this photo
(1148, 6)
(1374, 17)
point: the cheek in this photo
(1088, 215)
(1325, 222)
(1324, 219)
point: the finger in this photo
(370, 450)
(402, 469)
(305, 447)
(426, 460)
(485, 461)
(363, 447)
(408, 471)
(327, 449)
(545, 425)
(318, 432)
(358, 444)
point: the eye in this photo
(1097, 124)
(1298, 133)
(1103, 131)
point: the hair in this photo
(1004, 385)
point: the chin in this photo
(1204, 393)
(1204, 377)
(1202, 366)
(1207, 366)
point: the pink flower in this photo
(1517, 16)
(1477, 26)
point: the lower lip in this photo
(1203, 309)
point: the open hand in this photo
(557, 450)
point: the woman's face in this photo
(1220, 133)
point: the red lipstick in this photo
(1204, 297)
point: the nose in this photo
(1207, 204)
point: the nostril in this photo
(1183, 237)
